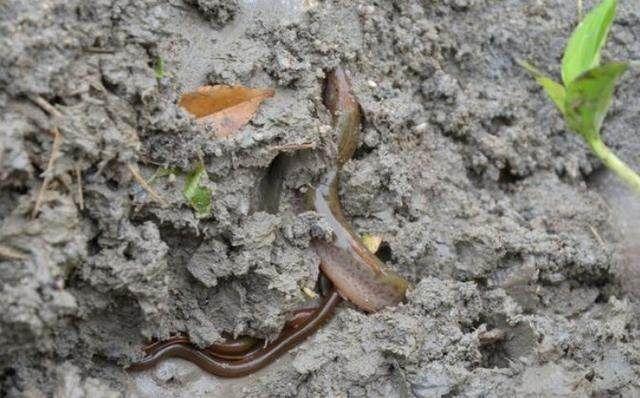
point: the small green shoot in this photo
(158, 68)
(586, 95)
(198, 196)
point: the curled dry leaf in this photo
(227, 108)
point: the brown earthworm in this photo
(251, 362)
(234, 348)
(244, 346)
(230, 348)
(358, 275)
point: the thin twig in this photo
(10, 253)
(79, 183)
(101, 166)
(293, 147)
(55, 152)
(133, 168)
(597, 235)
(46, 106)
(98, 86)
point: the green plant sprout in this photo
(196, 193)
(158, 68)
(586, 95)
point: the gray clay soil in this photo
(519, 247)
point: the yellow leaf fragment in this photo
(226, 108)
(372, 242)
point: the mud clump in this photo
(496, 215)
(219, 12)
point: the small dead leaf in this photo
(227, 108)
(372, 242)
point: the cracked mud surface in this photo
(519, 247)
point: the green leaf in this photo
(586, 41)
(197, 195)
(554, 90)
(589, 97)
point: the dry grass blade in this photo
(293, 147)
(133, 168)
(597, 236)
(55, 153)
(227, 108)
(44, 104)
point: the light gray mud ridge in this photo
(521, 280)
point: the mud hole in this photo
(511, 234)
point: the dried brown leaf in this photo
(227, 108)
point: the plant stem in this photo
(615, 164)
